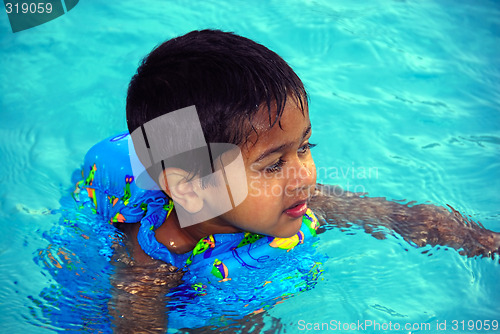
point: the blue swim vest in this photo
(246, 269)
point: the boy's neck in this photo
(182, 240)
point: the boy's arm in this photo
(141, 284)
(420, 224)
(139, 299)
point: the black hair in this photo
(227, 77)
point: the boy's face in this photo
(281, 176)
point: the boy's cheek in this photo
(312, 168)
(253, 170)
(266, 189)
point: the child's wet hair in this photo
(227, 77)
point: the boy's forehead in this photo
(291, 126)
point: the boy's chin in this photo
(291, 228)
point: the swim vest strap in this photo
(157, 212)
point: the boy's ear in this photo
(187, 193)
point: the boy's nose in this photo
(303, 175)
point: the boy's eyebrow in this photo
(279, 148)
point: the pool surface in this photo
(404, 105)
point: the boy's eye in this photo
(306, 147)
(276, 166)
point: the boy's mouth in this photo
(298, 209)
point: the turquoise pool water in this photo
(406, 89)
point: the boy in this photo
(235, 92)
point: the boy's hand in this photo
(420, 224)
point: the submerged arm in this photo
(421, 224)
(141, 284)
